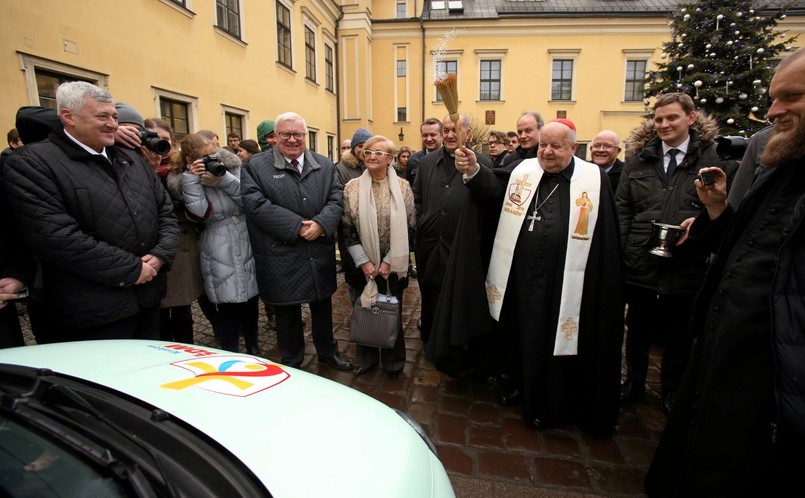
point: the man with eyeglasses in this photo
(293, 204)
(656, 185)
(604, 152)
(498, 147)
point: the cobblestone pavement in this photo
(487, 449)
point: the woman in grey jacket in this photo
(211, 190)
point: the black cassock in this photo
(583, 388)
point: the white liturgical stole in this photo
(585, 197)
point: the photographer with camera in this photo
(132, 134)
(211, 191)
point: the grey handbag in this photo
(378, 325)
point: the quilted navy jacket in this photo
(89, 222)
(276, 199)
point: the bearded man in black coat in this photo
(738, 424)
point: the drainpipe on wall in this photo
(422, 29)
(337, 62)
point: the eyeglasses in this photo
(603, 146)
(376, 153)
(286, 135)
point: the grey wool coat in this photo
(227, 262)
(277, 199)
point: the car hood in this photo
(302, 435)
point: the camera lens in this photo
(152, 142)
(214, 165)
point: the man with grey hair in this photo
(553, 284)
(99, 221)
(439, 198)
(293, 203)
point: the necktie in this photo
(295, 164)
(671, 163)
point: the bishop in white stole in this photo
(585, 198)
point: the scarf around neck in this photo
(370, 240)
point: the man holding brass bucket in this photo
(656, 193)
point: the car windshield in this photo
(35, 465)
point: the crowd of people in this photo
(531, 261)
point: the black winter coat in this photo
(439, 198)
(645, 195)
(739, 415)
(90, 222)
(276, 200)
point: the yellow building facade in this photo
(342, 64)
(505, 65)
(203, 64)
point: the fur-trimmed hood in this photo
(705, 125)
(350, 161)
(173, 184)
(230, 159)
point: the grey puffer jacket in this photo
(645, 195)
(277, 199)
(227, 262)
(90, 220)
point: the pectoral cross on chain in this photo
(534, 217)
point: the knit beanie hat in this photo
(128, 114)
(360, 136)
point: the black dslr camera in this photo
(152, 142)
(214, 165)
(731, 147)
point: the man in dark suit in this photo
(604, 152)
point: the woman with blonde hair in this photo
(379, 221)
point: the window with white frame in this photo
(313, 140)
(635, 75)
(178, 110)
(43, 76)
(329, 69)
(228, 13)
(284, 55)
(331, 147)
(562, 79)
(177, 114)
(401, 10)
(235, 120)
(233, 123)
(402, 68)
(310, 54)
(489, 83)
(445, 67)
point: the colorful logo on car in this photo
(230, 375)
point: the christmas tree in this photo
(722, 54)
